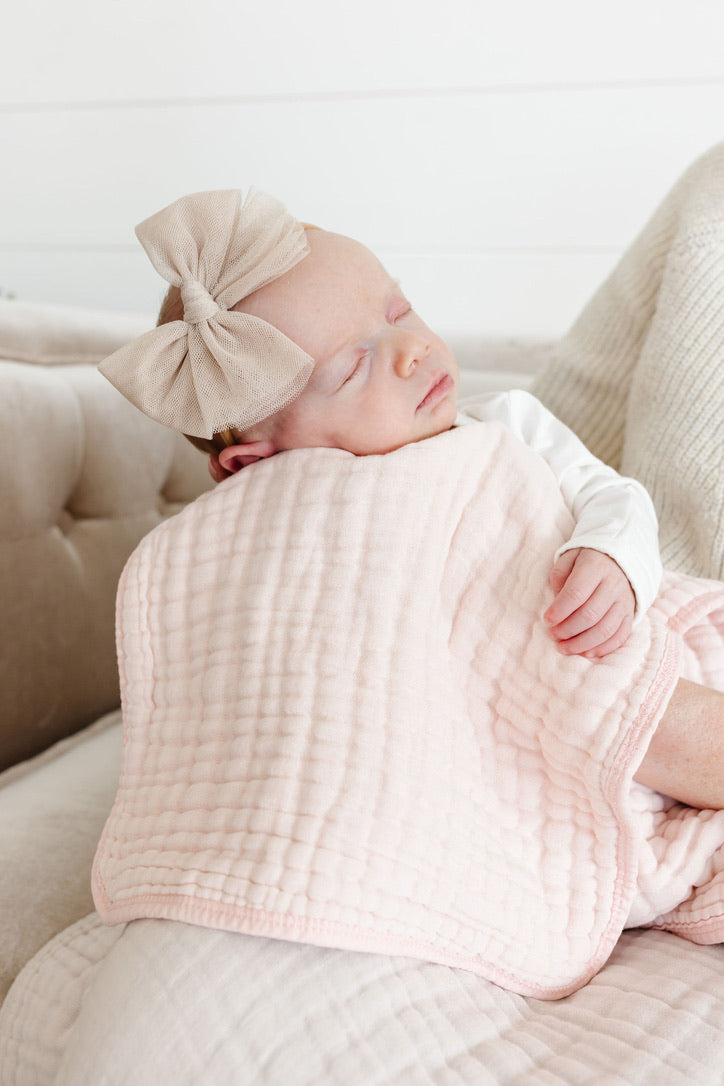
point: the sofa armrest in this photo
(52, 812)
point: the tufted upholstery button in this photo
(65, 521)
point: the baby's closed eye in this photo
(358, 368)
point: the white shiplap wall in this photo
(498, 157)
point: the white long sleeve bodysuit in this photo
(613, 514)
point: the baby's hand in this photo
(592, 613)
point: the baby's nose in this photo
(410, 350)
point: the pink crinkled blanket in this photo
(345, 724)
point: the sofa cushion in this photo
(85, 477)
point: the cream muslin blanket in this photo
(345, 723)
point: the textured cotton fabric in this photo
(158, 1003)
(640, 376)
(345, 722)
(215, 369)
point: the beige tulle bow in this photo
(215, 369)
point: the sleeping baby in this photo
(274, 336)
(410, 679)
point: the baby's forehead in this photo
(336, 291)
(344, 259)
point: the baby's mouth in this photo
(437, 391)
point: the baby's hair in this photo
(172, 309)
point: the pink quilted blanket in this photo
(345, 724)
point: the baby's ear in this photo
(235, 457)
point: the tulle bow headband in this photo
(215, 369)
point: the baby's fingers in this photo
(579, 585)
(559, 574)
(607, 635)
(585, 617)
(620, 638)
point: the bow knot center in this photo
(198, 303)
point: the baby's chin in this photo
(441, 429)
(445, 416)
(433, 431)
(392, 444)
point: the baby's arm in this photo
(614, 516)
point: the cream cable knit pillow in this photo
(640, 375)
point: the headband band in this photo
(215, 369)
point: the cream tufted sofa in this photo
(85, 476)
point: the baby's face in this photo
(381, 378)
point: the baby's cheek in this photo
(443, 420)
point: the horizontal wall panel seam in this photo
(358, 95)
